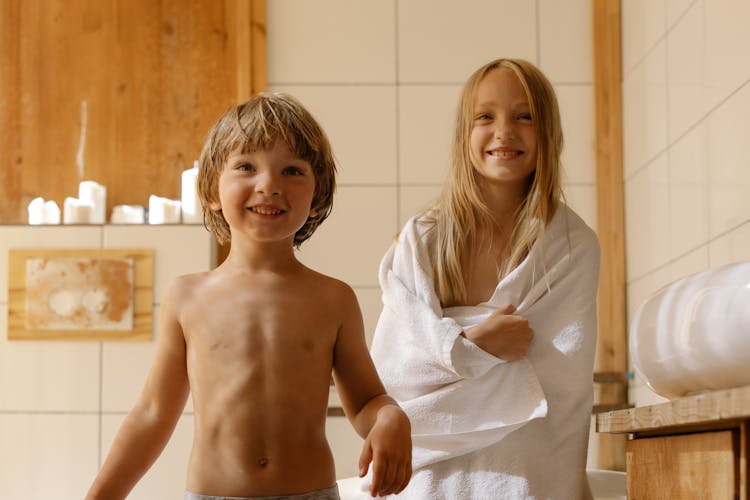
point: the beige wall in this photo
(686, 108)
(383, 78)
(62, 402)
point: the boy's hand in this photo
(388, 447)
(503, 334)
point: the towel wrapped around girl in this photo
(479, 421)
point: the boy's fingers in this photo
(377, 476)
(389, 479)
(402, 478)
(365, 458)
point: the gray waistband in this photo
(331, 493)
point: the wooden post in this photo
(612, 347)
(249, 19)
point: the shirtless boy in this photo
(256, 339)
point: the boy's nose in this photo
(268, 185)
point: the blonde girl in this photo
(488, 329)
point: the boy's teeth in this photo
(266, 211)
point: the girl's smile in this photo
(503, 138)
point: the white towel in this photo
(460, 398)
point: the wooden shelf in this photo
(705, 408)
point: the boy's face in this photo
(266, 194)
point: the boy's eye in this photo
(293, 171)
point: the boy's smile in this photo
(266, 194)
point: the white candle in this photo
(163, 210)
(191, 210)
(76, 211)
(94, 194)
(36, 211)
(51, 212)
(128, 214)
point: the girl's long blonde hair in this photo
(460, 214)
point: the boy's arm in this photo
(374, 414)
(147, 428)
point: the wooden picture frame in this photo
(80, 294)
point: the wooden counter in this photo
(692, 447)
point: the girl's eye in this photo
(525, 117)
(245, 167)
(483, 116)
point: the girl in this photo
(488, 331)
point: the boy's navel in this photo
(263, 461)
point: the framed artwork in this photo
(86, 294)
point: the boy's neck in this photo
(254, 256)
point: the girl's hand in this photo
(504, 335)
(388, 447)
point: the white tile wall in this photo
(647, 218)
(331, 41)
(559, 40)
(383, 78)
(166, 478)
(391, 126)
(426, 124)
(644, 111)
(47, 455)
(349, 244)
(688, 209)
(59, 400)
(445, 41)
(643, 24)
(361, 124)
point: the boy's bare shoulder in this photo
(328, 286)
(184, 286)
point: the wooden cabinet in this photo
(693, 447)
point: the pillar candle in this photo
(51, 212)
(191, 210)
(36, 211)
(128, 214)
(76, 211)
(163, 210)
(96, 195)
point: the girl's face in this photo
(503, 142)
(266, 195)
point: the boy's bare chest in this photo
(267, 323)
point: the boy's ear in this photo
(313, 212)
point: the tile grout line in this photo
(397, 124)
(101, 397)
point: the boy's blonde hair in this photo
(460, 212)
(256, 125)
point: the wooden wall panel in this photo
(119, 91)
(612, 346)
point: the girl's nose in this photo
(504, 130)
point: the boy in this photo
(256, 339)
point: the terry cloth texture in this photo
(483, 427)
